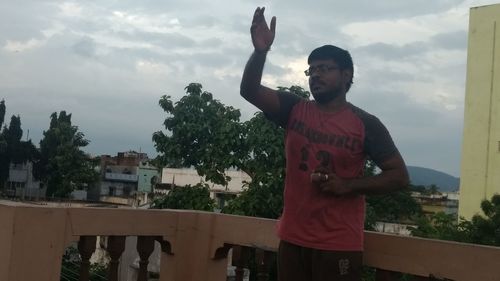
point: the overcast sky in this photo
(108, 63)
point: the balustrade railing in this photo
(195, 246)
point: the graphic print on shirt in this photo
(304, 156)
(313, 136)
(324, 158)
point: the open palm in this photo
(262, 35)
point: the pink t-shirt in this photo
(341, 141)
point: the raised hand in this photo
(262, 35)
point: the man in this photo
(327, 143)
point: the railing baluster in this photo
(263, 259)
(116, 246)
(240, 260)
(86, 247)
(145, 246)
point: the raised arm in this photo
(251, 89)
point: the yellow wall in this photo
(480, 174)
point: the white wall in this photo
(181, 177)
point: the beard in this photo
(324, 97)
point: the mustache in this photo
(316, 82)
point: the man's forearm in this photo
(384, 182)
(252, 75)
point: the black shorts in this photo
(296, 263)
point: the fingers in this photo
(258, 15)
(319, 177)
(262, 35)
(322, 169)
(273, 25)
(316, 177)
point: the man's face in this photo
(326, 80)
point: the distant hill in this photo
(425, 176)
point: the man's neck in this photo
(334, 105)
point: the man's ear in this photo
(346, 75)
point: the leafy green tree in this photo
(18, 151)
(395, 207)
(63, 166)
(419, 188)
(481, 229)
(370, 218)
(265, 163)
(441, 226)
(187, 197)
(202, 133)
(2, 112)
(4, 160)
(12, 148)
(485, 229)
(207, 135)
(434, 189)
(13, 133)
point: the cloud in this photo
(451, 40)
(163, 40)
(16, 46)
(393, 52)
(19, 24)
(365, 10)
(108, 63)
(402, 31)
(85, 47)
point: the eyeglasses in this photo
(321, 69)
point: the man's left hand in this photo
(329, 182)
(335, 185)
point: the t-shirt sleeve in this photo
(287, 101)
(379, 145)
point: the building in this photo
(148, 176)
(119, 177)
(480, 176)
(446, 202)
(181, 177)
(21, 182)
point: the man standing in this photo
(327, 143)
